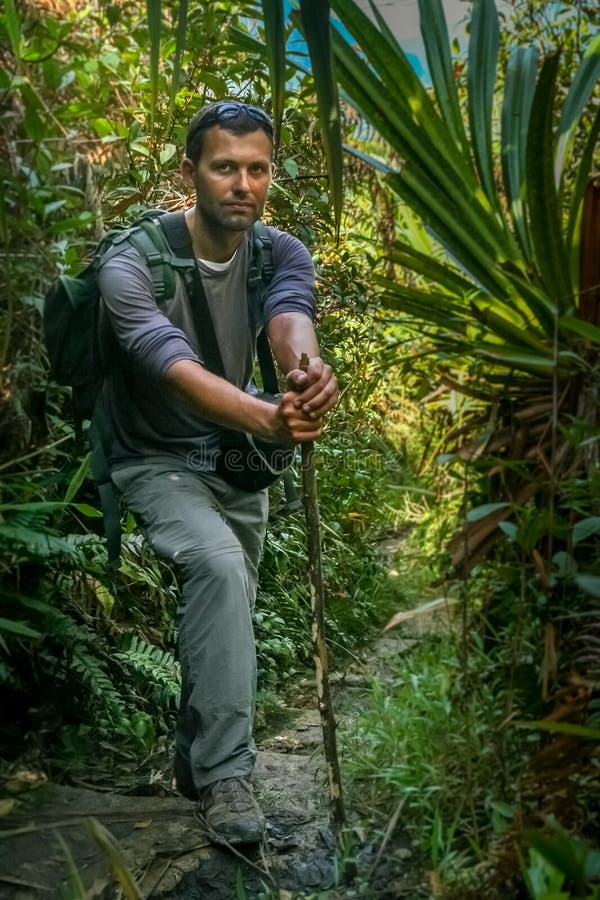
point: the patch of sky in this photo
(402, 17)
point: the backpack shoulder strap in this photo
(261, 269)
(260, 274)
(154, 236)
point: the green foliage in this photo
(561, 866)
(415, 742)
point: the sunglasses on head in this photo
(230, 109)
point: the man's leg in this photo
(213, 534)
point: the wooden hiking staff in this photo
(317, 605)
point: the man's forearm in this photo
(218, 400)
(223, 404)
(291, 335)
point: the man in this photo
(166, 408)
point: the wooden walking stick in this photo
(317, 604)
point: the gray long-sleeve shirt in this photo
(149, 421)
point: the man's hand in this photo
(315, 391)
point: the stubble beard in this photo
(221, 220)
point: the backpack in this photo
(78, 344)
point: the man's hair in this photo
(231, 115)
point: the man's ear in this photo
(187, 170)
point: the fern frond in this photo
(157, 668)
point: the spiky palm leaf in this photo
(508, 292)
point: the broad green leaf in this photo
(593, 734)
(585, 528)
(275, 40)
(34, 506)
(510, 530)
(519, 90)
(577, 99)
(103, 127)
(33, 603)
(137, 147)
(153, 9)
(13, 27)
(563, 852)
(579, 326)
(87, 510)
(544, 216)
(78, 478)
(167, 153)
(481, 79)
(317, 32)
(19, 628)
(291, 167)
(480, 512)
(434, 32)
(589, 584)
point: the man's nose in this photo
(242, 182)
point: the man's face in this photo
(232, 178)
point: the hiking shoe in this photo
(230, 812)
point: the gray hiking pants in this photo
(213, 534)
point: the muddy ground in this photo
(46, 829)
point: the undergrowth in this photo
(458, 745)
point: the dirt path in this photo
(164, 846)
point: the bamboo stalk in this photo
(317, 604)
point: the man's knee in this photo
(217, 567)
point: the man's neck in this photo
(211, 242)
